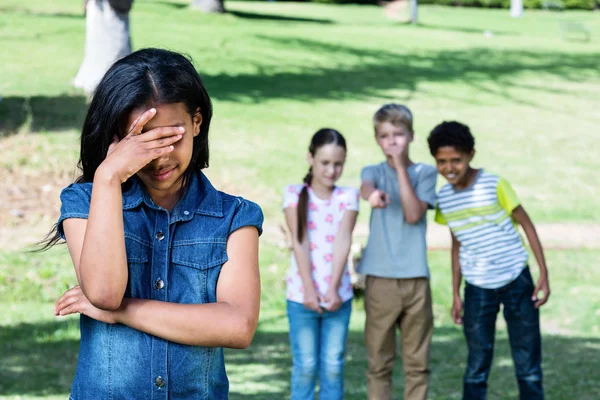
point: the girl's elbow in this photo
(106, 305)
(245, 334)
(105, 301)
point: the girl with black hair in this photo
(321, 217)
(167, 265)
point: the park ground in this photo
(277, 72)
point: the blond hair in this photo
(396, 114)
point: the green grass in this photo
(40, 351)
(279, 71)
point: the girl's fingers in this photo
(138, 125)
(68, 297)
(164, 142)
(71, 309)
(61, 300)
(162, 132)
(67, 305)
(159, 152)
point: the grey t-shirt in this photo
(397, 249)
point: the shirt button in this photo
(160, 236)
(159, 284)
(160, 381)
(186, 213)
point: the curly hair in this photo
(453, 134)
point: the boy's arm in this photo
(457, 305)
(520, 215)
(376, 198)
(366, 188)
(412, 207)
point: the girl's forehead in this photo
(174, 114)
(330, 150)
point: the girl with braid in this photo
(321, 217)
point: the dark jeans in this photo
(523, 320)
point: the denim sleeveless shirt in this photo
(171, 256)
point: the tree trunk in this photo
(106, 40)
(516, 8)
(209, 6)
(413, 11)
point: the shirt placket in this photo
(159, 282)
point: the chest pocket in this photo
(196, 268)
(137, 250)
(138, 256)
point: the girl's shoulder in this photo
(293, 189)
(346, 192)
(291, 195)
(77, 191)
(240, 212)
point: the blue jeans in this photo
(318, 343)
(523, 320)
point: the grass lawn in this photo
(277, 72)
(40, 351)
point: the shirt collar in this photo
(200, 198)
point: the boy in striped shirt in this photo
(483, 214)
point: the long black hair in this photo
(320, 138)
(145, 78)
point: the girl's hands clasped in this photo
(332, 300)
(311, 300)
(127, 156)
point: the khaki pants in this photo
(405, 303)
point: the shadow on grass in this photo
(443, 28)
(358, 73)
(570, 365)
(354, 74)
(248, 15)
(27, 11)
(40, 359)
(275, 17)
(42, 113)
(170, 3)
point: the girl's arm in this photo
(103, 261)
(520, 215)
(302, 253)
(341, 249)
(99, 239)
(457, 306)
(97, 246)
(230, 322)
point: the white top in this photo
(491, 253)
(324, 219)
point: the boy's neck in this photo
(406, 162)
(468, 179)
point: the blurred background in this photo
(526, 81)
